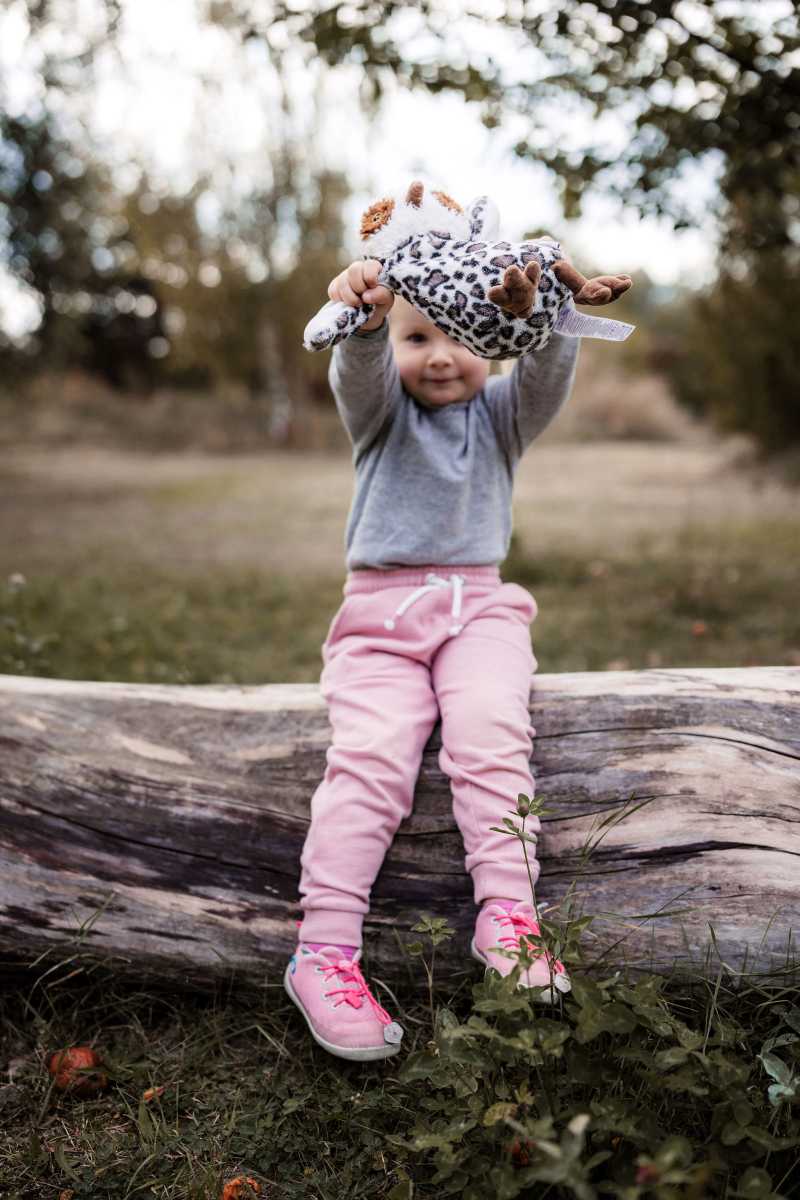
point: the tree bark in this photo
(160, 827)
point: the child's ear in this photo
(484, 219)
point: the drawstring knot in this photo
(432, 582)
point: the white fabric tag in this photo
(575, 324)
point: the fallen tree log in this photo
(159, 827)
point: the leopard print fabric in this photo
(447, 280)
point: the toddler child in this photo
(427, 630)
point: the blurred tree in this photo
(235, 297)
(60, 237)
(733, 351)
(158, 293)
(708, 83)
(705, 83)
(689, 79)
(47, 208)
(321, 236)
(64, 241)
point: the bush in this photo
(738, 355)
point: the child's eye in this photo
(419, 338)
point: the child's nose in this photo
(441, 352)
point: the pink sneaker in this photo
(340, 1010)
(498, 927)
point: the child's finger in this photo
(355, 277)
(344, 292)
(380, 296)
(348, 296)
(341, 288)
(335, 286)
(371, 269)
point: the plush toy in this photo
(500, 299)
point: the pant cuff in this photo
(331, 925)
(500, 879)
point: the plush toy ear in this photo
(333, 323)
(484, 219)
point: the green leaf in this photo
(792, 1017)
(446, 1020)
(37, 1152)
(687, 1079)
(675, 1056)
(688, 1038)
(402, 1191)
(776, 1068)
(499, 1112)
(675, 1152)
(147, 1127)
(755, 1184)
(783, 1039)
(769, 1141)
(732, 1134)
(62, 1160)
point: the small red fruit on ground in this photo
(647, 1173)
(75, 1070)
(238, 1188)
(520, 1151)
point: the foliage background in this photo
(205, 286)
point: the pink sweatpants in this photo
(396, 658)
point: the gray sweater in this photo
(433, 485)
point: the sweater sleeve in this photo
(366, 385)
(523, 404)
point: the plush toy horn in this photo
(415, 193)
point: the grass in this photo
(705, 597)
(633, 1089)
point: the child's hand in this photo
(357, 285)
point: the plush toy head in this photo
(498, 298)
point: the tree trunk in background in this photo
(274, 392)
(161, 826)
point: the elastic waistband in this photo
(370, 579)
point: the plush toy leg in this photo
(617, 283)
(603, 289)
(517, 292)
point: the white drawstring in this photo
(432, 582)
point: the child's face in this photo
(434, 369)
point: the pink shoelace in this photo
(351, 973)
(521, 924)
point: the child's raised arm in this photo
(524, 403)
(363, 375)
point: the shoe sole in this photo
(354, 1053)
(543, 995)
